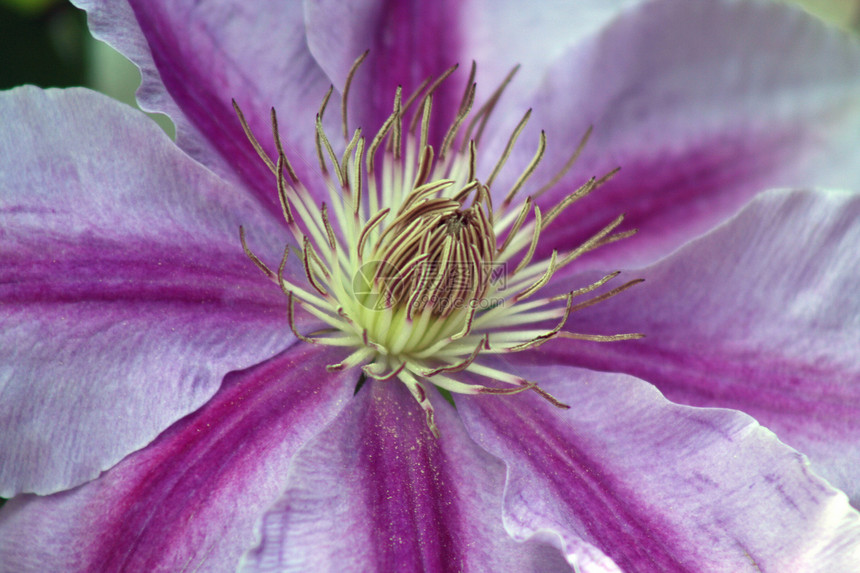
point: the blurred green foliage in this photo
(42, 42)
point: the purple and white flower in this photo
(165, 407)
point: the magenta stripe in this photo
(138, 272)
(195, 89)
(210, 470)
(671, 195)
(608, 513)
(413, 499)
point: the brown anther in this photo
(254, 258)
(547, 396)
(456, 244)
(343, 102)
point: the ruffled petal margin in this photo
(658, 486)
(761, 315)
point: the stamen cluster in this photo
(402, 268)
(438, 253)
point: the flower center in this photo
(407, 274)
(434, 254)
(430, 267)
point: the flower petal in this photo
(124, 292)
(377, 492)
(761, 315)
(188, 501)
(195, 57)
(701, 104)
(411, 41)
(408, 41)
(501, 34)
(659, 486)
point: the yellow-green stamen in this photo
(400, 262)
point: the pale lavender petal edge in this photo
(760, 315)
(701, 105)
(189, 500)
(194, 59)
(657, 485)
(125, 293)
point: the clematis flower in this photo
(177, 394)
